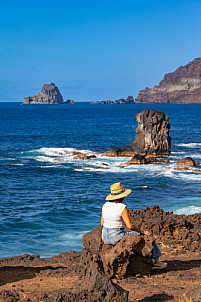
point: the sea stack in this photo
(49, 94)
(152, 136)
(182, 86)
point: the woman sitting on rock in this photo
(115, 217)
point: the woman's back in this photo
(111, 212)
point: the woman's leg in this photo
(112, 236)
(156, 253)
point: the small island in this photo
(49, 94)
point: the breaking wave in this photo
(188, 210)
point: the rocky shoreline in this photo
(78, 276)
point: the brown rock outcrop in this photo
(79, 276)
(49, 94)
(130, 256)
(137, 160)
(82, 156)
(179, 87)
(181, 231)
(128, 100)
(152, 136)
(188, 161)
(70, 102)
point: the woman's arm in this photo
(129, 224)
(102, 220)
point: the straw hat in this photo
(117, 191)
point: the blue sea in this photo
(48, 200)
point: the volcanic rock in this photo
(152, 136)
(82, 156)
(70, 102)
(176, 230)
(179, 87)
(137, 160)
(79, 276)
(129, 100)
(93, 284)
(188, 161)
(49, 94)
(130, 256)
(181, 169)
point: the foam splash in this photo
(188, 210)
(63, 157)
(189, 145)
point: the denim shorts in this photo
(112, 236)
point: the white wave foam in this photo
(52, 166)
(189, 145)
(61, 151)
(188, 210)
(78, 235)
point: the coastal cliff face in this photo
(152, 136)
(49, 94)
(180, 87)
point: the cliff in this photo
(182, 86)
(49, 94)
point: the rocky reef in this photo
(70, 102)
(182, 86)
(152, 136)
(128, 100)
(49, 94)
(117, 273)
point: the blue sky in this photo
(94, 50)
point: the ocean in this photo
(48, 200)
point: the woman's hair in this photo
(117, 200)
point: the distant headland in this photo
(182, 86)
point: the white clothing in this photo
(111, 212)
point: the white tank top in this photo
(111, 212)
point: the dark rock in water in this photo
(141, 160)
(129, 100)
(152, 136)
(179, 87)
(49, 94)
(70, 102)
(188, 161)
(137, 160)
